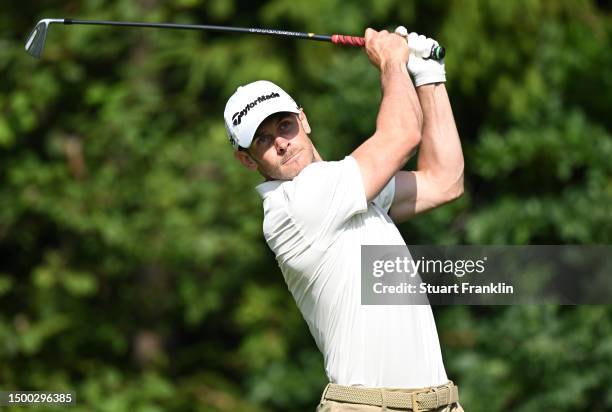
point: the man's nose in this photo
(281, 144)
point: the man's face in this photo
(281, 147)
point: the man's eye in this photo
(263, 139)
(284, 125)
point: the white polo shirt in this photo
(315, 224)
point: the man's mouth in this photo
(291, 157)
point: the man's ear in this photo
(304, 121)
(246, 159)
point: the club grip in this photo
(436, 53)
(348, 40)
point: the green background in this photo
(133, 270)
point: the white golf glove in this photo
(422, 69)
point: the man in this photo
(317, 214)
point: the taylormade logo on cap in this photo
(237, 117)
(250, 105)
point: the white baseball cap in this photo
(250, 105)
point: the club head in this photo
(36, 40)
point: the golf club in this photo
(35, 42)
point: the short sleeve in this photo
(384, 200)
(325, 195)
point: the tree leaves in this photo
(125, 222)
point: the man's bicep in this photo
(415, 192)
(376, 165)
(379, 160)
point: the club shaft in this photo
(437, 53)
(269, 32)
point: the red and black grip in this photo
(437, 52)
(348, 40)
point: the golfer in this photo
(318, 213)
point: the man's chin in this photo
(290, 171)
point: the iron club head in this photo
(36, 40)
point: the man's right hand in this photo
(384, 48)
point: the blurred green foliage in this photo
(133, 269)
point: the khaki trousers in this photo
(327, 405)
(333, 406)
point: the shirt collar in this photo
(267, 187)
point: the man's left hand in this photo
(422, 69)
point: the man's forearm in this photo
(439, 175)
(400, 110)
(440, 153)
